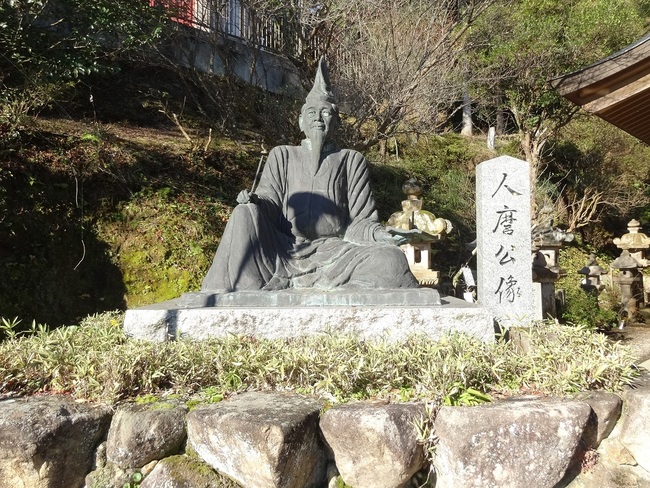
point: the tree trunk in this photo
(501, 122)
(532, 147)
(467, 128)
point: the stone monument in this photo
(304, 253)
(504, 240)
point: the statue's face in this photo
(318, 117)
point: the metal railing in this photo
(273, 31)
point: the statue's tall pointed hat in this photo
(322, 90)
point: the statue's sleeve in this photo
(363, 225)
(272, 186)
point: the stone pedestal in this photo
(283, 317)
(418, 256)
(545, 301)
(544, 278)
(546, 244)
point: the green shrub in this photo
(583, 307)
(17, 104)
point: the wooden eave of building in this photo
(616, 89)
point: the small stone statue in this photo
(311, 222)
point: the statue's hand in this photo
(383, 235)
(404, 236)
(246, 196)
(399, 240)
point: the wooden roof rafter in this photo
(616, 89)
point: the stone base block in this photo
(312, 298)
(174, 319)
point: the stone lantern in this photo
(635, 242)
(629, 280)
(546, 243)
(592, 273)
(418, 253)
(544, 278)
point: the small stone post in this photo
(505, 284)
(492, 132)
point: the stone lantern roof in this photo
(592, 268)
(633, 240)
(548, 236)
(625, 261)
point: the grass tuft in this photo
(95, 360)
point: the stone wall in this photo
(272, 72)
(271, 439)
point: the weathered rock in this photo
(48, 441)
(613, 450)
(110, 476)
(614, 468)
(332, 475)
(263, 440)
(148, 468)
(608, 475)
(100, 456)
(606, 409)
(517, 443)
(184, 472)
(140, 434)
(375, 445)
(635, 429)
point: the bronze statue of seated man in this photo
(311, 222)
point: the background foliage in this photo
(46, 43)
(117, 194)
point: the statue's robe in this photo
(308, 230)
